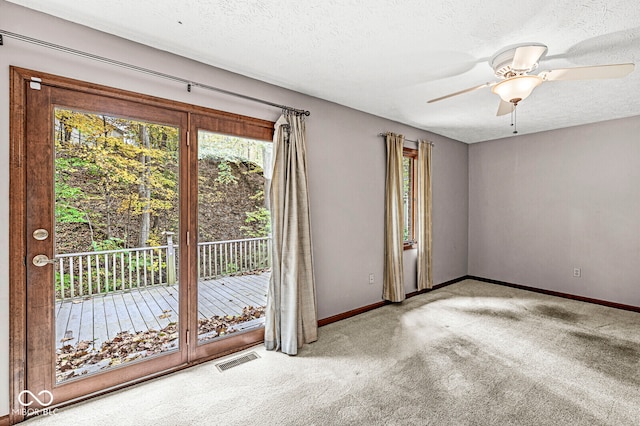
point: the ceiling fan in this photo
(513, 65)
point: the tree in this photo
(144, 187)
(121, 173)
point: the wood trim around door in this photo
(20, 78)
(17, 245)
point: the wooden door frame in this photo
(232, 124)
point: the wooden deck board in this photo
(102, 317)
(228, 296)
(165, 314)
(132, 309)
(170, 296)
(73, 326)
(217, 299)
(249, 284)
(85, 331)
(114, 304)
(100, 328)
(235, 289)
(147, 312)
(62, 320)
(208, 303)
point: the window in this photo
(409, 160)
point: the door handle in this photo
(42, 259)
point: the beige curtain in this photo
(393, 283)
(423, 228)
(291, 312)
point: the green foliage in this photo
(225, 174)
(254, 168)
(231, 269)
(120, 169)
(258, 196)
(109, 244)
(65, 212)
(259, 223)
(66, 209)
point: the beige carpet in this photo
(468, 354)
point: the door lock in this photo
(42, 259)
(40, 234)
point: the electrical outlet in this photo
(371, 279)
(577, 272)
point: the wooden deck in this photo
(100, 318)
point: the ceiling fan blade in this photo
(471, 89)
(504, 108)
(588, 73)
(527, 56)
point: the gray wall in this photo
(346, 162)
(543, 204)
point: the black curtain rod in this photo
(408, 140)
(189, 83)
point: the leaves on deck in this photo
(85, 358)
(165, 314)
(224, 324)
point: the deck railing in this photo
(99, 272)
(220, 258)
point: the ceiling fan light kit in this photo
(516, 88)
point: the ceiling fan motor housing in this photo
(501, 61)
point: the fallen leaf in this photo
(126, 346)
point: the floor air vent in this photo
(237, 361)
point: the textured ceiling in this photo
(388, 57)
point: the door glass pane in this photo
(116, 263)
(234, 261)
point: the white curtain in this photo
(291, 313)
(425, 279)
(393, 282)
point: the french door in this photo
(81, 300)
(110, 287)
(233, 306)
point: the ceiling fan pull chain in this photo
(515, 119)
